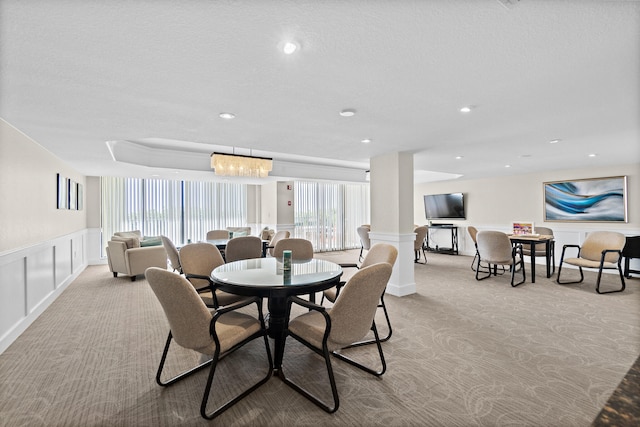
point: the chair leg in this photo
(363, 367)
(215, 360)
(180, 376)
(478, 271)
(334, 389)
(621, 280)
(569, 282)
(513, 272)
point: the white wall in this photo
(42, 248)
(494, 203)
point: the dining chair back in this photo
(495, 248)
(540, 248)
(300, 248)
(172, 254)
(380, 252)
(282, 234)
(244, 247)
(365, 241)
(419, 244)
(217, 234)
(198, 261)
(193, 326)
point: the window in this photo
(180, 210)
(328, 214)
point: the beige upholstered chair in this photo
(494, 248)
(473, 233)
(380, 252)
(245, 247)
(349, 320)
(418, 244)
(300, 248)
(216, 334)
(601, 250)
(217, 234)
(365, 240)
(172, 253)
(198, 261)
(540, 248)
(126, 256)
(277, 237)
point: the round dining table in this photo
(266, 277)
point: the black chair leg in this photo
(621, 280)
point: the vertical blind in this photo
(180, 210)
(328, 214)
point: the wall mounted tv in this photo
(444, 206)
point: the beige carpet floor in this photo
(463, 353)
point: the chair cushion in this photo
(133, 234)
(131, 242)
(151, 241)
(581, 262)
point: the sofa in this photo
(129, 253)
(239, 231)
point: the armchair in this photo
(601, 250)
(126, 256)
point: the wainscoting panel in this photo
(62, 250)
(13, 293)
(40, 277)
(31, 278)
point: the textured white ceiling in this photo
(154, 75)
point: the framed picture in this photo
(80, 197)
(63, 192)
(523, 228)
(592, 199)
(73, 192)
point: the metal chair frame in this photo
(516, 250)
(600, 268)
(325, 353)
(217, 357)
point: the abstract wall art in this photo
(592, 199)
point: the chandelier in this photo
(238, 165)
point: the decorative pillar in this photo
(391, 186)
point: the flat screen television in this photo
(444, 206)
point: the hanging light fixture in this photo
(238, 165)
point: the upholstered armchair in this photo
(127, 254)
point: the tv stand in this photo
(453, 250)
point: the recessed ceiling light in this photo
(507, 166)
(366, 141)
(459, 157)
(349, 112)
(554, 141)
(592, 155)
(465, 109)
(227, 116)
(289, 47)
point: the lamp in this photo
(238, 165)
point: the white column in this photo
(392, 215)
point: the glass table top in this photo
(269, 272)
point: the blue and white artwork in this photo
(598, 199)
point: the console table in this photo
(453, 250)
